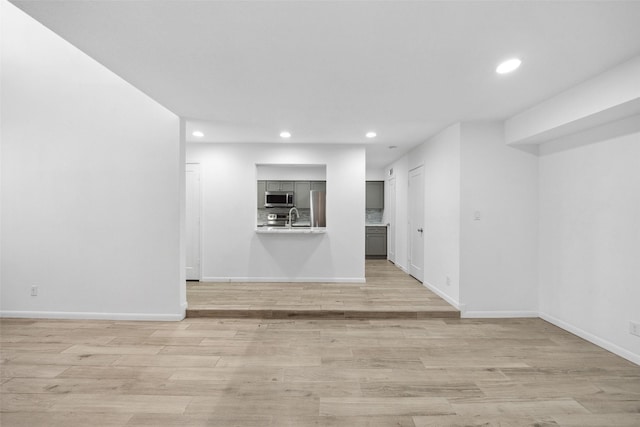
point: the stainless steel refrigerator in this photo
(318, 208)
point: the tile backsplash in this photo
(305, 214)
(374, 215)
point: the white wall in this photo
(90, 185)
(232, 250)
(590, 240)
(375, 174)
(182, 185)
(440, 156)
(292, 172)
(610, 96)
(491, 263)
(588, 206)
(498, 251)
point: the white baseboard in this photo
(401, 267)
(497, 314)
(93, 316)
(286, 279)
(441, 294)
(607, 345)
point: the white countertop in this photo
(291, 230)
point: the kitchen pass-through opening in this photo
(291, 195)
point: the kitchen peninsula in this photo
(291, 230)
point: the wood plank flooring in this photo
(301, 372)
(389, 293)
(312, 372)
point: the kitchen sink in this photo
(301, 224)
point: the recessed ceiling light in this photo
(285, 134)
(508, 66)
(371, 134)
(198, 134)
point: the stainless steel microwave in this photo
(278, 199)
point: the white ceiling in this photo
(328, 71)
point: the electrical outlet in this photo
(634, 328)
(448, 281)
(34, 291)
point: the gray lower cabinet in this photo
(376, 242)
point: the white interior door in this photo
(192, 215)
(416, 223)
(390, 211)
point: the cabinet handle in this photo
(420, 230)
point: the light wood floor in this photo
(388, 293)
(309, 372)
(249, 372)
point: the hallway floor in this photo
(387, 293)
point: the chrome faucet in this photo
(290, 223)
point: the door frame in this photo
(391, 218)
(415, 224)
(197, 272)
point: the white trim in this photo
(93, 316)
(286, 279)
(607, 345)
(502, 314)
(417, 167)
(200, 216)
(441, 294)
